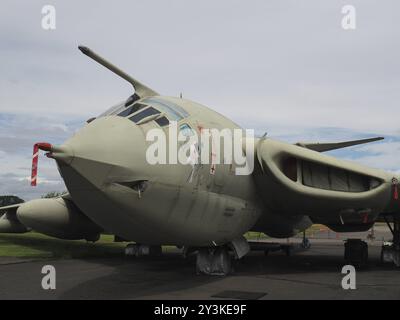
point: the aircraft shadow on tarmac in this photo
(129, 278)
(148, 276)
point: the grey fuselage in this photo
(106, 166)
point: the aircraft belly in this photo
(281, 226)
(205, 217)
(163, 214)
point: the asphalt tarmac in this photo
(310, 274)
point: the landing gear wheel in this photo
(390, 252)
(390, 255)
(214, 261)
(356, 253)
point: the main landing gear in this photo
(214, 261)
(356, 252)
(391, 250)
(217, 261)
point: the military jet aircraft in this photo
(204, 208)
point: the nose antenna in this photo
(35, 159)
(140, 89)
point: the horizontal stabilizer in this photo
(322, 147)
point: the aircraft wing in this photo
(296, 181)
(10, 208)
(9, 222)
(322, 147)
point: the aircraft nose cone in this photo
(107, 139)
(105, 146)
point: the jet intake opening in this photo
(289, 168)
(322, 176)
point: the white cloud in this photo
(382, 148)
(384, 155)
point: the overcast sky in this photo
(285, 67)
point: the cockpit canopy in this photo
(157, 109)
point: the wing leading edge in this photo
(323, 147)
(9, 222)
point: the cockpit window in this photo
(132, 109)
(171, 110)
(186, 130)
(131, 99)
(164, 111)
(162, 122)
(144, 114)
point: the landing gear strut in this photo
(356, 252)
(305, 244)
(213, 261)
(391, 250)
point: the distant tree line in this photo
(9, 200)
(52, 194)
